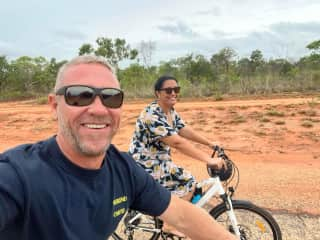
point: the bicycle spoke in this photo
(251, 225)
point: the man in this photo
(77, 185)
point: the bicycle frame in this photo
(215, 188)
(139, 215)
(211, 187)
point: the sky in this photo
(279, 28)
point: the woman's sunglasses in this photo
(79, 95)
(169, 90)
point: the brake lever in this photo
(215, 149)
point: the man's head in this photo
(87, 103)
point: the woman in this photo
(158, 128)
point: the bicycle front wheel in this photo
(254, 223)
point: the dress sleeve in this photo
(157, 124)
(10, 193)
(179, 123)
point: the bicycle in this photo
(240, 217)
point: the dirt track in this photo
(275, 143)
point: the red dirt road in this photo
(274, 142)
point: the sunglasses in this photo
(169, 90)
(79, 95)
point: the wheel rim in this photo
(251, 225)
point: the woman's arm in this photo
(188, 133)
(185, 147)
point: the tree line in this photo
(199, 76)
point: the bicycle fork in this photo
(218, 188)
(231, 214)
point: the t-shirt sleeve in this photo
(10, 193)
(157, 124)
(149, 196)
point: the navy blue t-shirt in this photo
(43, 195)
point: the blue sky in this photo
(177, 27)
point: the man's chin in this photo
(93, 150)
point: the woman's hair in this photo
(159, 83)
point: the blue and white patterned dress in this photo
(153, 154)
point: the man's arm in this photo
(195, 222)
(10, 194)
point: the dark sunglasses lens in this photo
(79, 96)
(169, 90)
(112, 98)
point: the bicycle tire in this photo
(254, 222)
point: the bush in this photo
(14, 95)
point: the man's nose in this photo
(97, 106)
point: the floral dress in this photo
(153, 155)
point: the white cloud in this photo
(278, 28)
(178, 29)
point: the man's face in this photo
(88, 130)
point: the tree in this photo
(114, 50)
(146, 50)
(169, 68)
(4, 70)
(223, 65)
(244, 71)
(86, 48)
(223, 60)
(196, 68)
(256, 60)
(314, 46)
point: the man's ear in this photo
(52, 100)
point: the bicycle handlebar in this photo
(220, 151)
(223, 174)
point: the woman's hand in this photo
(217, 163)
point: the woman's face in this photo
(168, 93)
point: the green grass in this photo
(264, 119)
(238, 119)
(220, 108)
(255, 115)
(315, 120)
(309, 112)
(280, 122)
(42, 100)
(307, 124)
(259, 133)
(313, 103)
(275, 113)
(232, 110)
(290, 106)
(218, 97)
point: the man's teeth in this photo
(96, 126)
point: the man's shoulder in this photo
(23, 151)
(121, 160)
